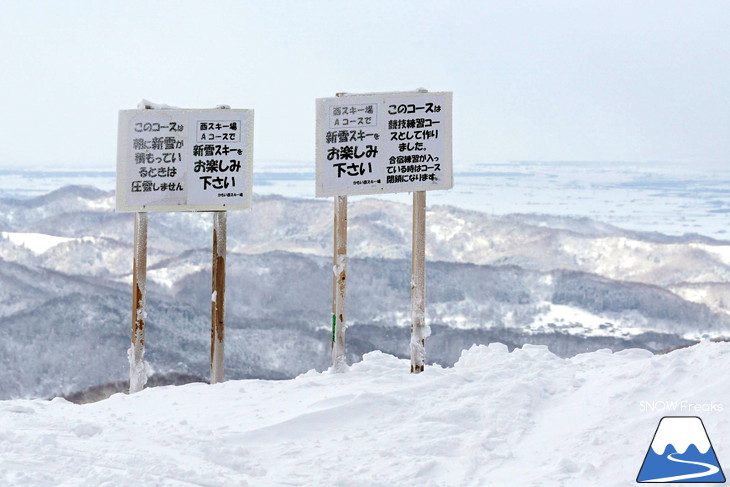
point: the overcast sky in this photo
(532, 80)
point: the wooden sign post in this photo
(383, 143)
(137, 369)
(419, 331)
(339, 269)
(218, 296)
(172, 159)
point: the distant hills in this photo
(571, 283)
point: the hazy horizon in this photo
(536, 81)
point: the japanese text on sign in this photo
(183, 160)
(371, 144)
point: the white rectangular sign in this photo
(184, 160)
(383, 143)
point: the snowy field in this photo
(526, 418)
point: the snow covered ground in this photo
(526, 418)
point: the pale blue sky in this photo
(532, 80)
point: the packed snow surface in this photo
(524, 418)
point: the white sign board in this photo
(184, 160)
(383, 143)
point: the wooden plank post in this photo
(389, 116)
(339, 269)
(218, 297)
(137, 369)
(419, 329)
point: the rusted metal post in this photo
(137, 369)
(419, 329)
(339, 268)
(218, 297)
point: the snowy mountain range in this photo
(570, 283)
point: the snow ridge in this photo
(495, 418)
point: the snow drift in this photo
(520, 418)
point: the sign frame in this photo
(190, 118)
(384, 102)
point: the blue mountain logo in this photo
(681, 452)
